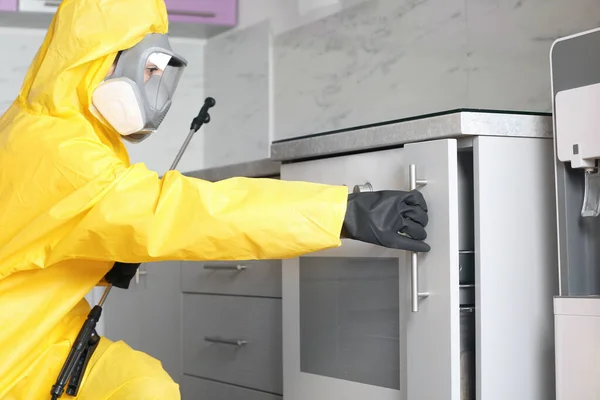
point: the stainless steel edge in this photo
(252, 169)
(512, 125)
(454, 125)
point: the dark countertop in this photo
(254, 169)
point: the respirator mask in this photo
(136, 97)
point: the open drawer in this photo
(362, 321)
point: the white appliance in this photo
(577, 322)
(575, 76)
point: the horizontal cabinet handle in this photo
(204, 14)
(52, 3)
(226, 267)
(232, 342)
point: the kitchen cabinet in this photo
(47, 6)
(456, 323)
(355, 324)
(8, 5)
(232, 322)
(212, 12)
(200, 19)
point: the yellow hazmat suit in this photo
(71, 205)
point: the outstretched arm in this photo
(128, 214)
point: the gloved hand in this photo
(121, 274)
(388, 218)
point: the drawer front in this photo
(246, 278)
(212, 325)
(193, 388)
(218, 12)
(381, 169)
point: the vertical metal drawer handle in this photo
(414, 272)
(233, 342)
(226, 267)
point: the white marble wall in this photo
(237, 76)
(389, 59)
(19, 46)
(508, 54)
(285, 15)
(17, 49)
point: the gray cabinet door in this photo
(122, 316)
(161, 315)
(147, 316)
(215, 326)
(433, 334)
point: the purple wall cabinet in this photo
(212, 12)
(8, 5)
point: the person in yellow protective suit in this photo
(71, 204)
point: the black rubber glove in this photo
(387, 218)
(121, 274)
